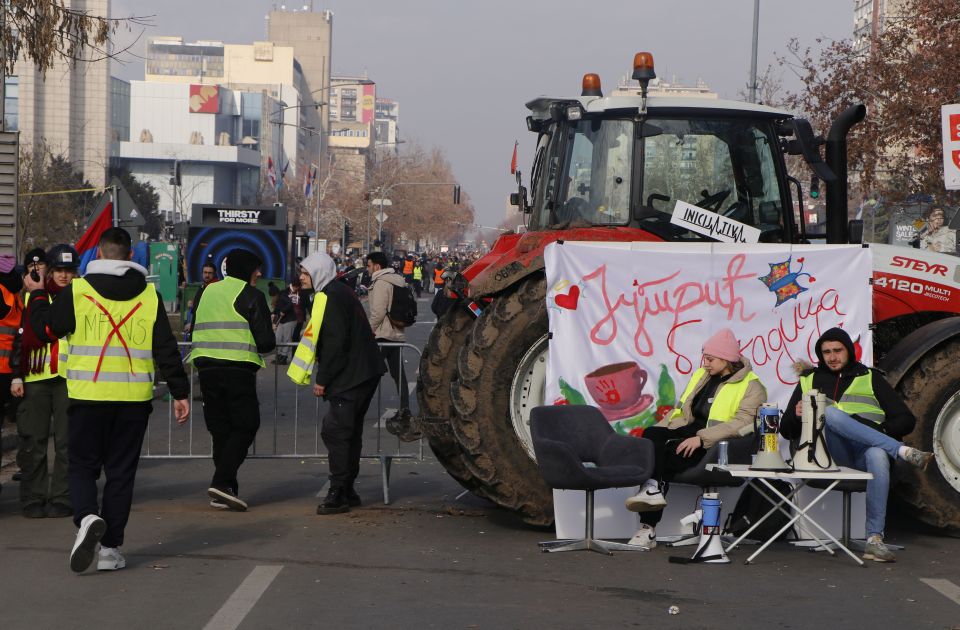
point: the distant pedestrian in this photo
(208, 277)
(284, 322)
(233, 329)
(428, 267)
(110, 386)
(408, 269)
(418, 278)
(11, 310)
(40, 380)
(384, 281)
(338, 343)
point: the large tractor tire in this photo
(500, 378)
(932, 389)
(438, 368)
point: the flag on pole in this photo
(309, 181)
(283, 176)
(513, 162)
(87, 245)
(271, 173)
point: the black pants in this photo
(666, 461)
(393, 356)
(108, 437)
(232, 413)
(342, 431)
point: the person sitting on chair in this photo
(865, 421)
(719, 402)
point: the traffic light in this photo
(814, 187)
(456, 194)
(175, 179)
(346, 234)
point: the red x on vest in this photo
(115, 331)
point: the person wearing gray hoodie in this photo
(348, 369)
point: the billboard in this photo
(368, 103)
(216, 229)
(204, 99)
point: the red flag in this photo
(513, 162)
(91, 238)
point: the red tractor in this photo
(611, 169)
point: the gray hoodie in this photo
(321, 268)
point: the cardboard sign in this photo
(713, 225)
(950, 117)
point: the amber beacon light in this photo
(591, 85)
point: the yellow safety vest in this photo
(726, 400)
(858, 399)
(60, 347)
(219, 331)
(111, 347)
(418, 273)
(305, 356)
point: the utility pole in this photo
(753, 55)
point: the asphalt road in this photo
(429, 559)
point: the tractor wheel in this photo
(932, 389)
(438, 368)
(500, 378)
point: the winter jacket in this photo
(347, 353)
(742, 422)
(381, 294)
(114, 280)
(898, 419)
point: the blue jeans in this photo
(856, 445)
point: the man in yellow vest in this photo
(865, 422)
(117, 330)
(719, 402)
(338, 343)
(231, 330)
(418, 277)
(39, 379)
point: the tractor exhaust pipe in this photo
(836, 158)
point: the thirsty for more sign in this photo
(950, 119)
(713, 225)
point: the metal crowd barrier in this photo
(278, 397)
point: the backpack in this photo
(403, 307)
(751, 507)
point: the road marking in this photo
(431, 323)
(945, 587)
(236, 608)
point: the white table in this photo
(759, 480)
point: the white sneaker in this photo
(646, 537)
(92, 529)
(649, 499)
(110, 559)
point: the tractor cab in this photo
(627, 159)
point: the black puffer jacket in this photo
(898, 419)
(114, 280)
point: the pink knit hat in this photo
(723, 345)
(7, 263)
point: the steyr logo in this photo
(919, 265)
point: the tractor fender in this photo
(903, 356)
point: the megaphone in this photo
(710, 548)
(812, 455)
(767, 427)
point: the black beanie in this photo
(36, 252)
(241, 264)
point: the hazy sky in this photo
(463, 70)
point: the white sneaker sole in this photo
(643, 542)
(646, 504)
(111, 565)
(233, 503)
(218, 504)
(85, 546)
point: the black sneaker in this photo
(34, 510)
(227, 497)
(335, 503)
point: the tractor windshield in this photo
(726, 166)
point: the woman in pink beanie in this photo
(718, 403)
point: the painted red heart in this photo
(568, 301)
(800, 260)
(812, 279)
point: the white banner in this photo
(628, 320)
(950, 122)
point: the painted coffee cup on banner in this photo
(618, 389)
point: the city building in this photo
(193, 143)
(67, 111)
(386, 121)
(251, 69)
(352, 112)
(310, 34)
(869, 17)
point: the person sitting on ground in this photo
(865, 422)
(719, 403)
